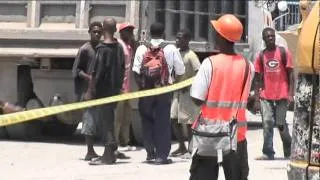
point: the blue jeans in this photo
(274, 114)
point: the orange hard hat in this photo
(229, 27)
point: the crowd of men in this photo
(213, 108)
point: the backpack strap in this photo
(261, 58)
(163, 45)
(149, 45)
(283, 55)
(245, 79)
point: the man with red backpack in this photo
(153, 65)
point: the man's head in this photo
(95, 31)
(182, 39)
(269, 37)
(228, 30)
(221, 42)
(126, 32)
(109, 25)
(157, 30)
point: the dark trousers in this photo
(105, 114)
(156, 127)
(235, 165)
(207, 168)
(242, 152)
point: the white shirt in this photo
(200, 85)
(171, 54)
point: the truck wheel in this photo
(57, 128)
(3, 133)
(27, 130)
(61, 124)
(136, 128)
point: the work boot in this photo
(108, 157)
(150, 156)
(179, 152)
(121, 155)
(161, 161)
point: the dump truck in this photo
(305, 148)
(39, 40)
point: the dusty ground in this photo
(52, 159)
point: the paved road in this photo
(61, 160)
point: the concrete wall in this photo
(8, 79)
(255, 27)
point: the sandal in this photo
(100, 161)
(264, 157)
(89, 157)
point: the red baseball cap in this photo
(125, 25)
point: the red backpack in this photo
(154, 69)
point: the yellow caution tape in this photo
(23, 116)
(303, 164)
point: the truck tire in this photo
(3, 133)
(57, 129)
(61, 124)
(28, 130)
(136, 129)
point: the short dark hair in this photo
(186, 33)
(95, 23)
(267, 29)
(156, 29)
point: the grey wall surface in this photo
(255, 27)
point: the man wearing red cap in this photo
(123, 121)
(221, 87)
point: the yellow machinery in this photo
(305, 148)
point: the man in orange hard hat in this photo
(221, 87)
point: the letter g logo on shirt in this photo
(272, 64)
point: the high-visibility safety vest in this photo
(226, 86)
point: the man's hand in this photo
(185, 90)
(87, 96)
(85, 76)
(290, 98)
(291, 83)
(91, 88)
(10, 108)
(256, 106)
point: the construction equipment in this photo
(305, 149)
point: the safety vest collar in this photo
(225, 104)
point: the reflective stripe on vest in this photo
(225, 104)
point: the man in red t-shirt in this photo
(275, 85)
